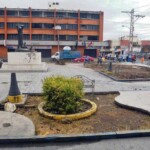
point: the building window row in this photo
(50, 37)
(69, 26)
(45, 37)
(59, 14)
(88, 38)
(89, 27)
(40, 37)
(51, 26)
(14, 25)
(89, 16)
(15, 37)
(68, 37)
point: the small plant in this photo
(62, 94)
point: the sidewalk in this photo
(136, 100)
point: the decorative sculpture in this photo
(21, 46)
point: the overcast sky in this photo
(113, 18)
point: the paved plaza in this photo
(31, 82)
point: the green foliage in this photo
(62, 94)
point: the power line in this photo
(142, 6)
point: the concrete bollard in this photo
(14, 95)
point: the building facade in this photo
(81, 30)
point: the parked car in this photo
(83, 58)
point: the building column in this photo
(5, 23)
(101, 23)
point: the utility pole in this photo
(133, 19)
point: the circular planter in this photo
(76, 116)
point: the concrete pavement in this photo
(138, 100)
(31, 82)
(15, 125)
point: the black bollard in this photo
(110, 66)
(14, 95)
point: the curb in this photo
(132, 108)
(124, 80)
(78, 137)
(86, 93)
(75, 116)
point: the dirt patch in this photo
(109, 117)
(120, 71)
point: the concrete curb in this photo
(21, 71)
(75, 116)
(78, 137)
(132, 108)
(124, 80)
(86, 93)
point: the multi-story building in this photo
(81, 30)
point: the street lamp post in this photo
(57, 28)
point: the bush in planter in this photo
(62, 94)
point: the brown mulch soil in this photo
(120, 71)
(109, 117)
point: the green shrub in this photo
(62, 94)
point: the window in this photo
(63, 26)
(95, 16)
(93, 38)
(48, 26)
(37, 13)
(89, 27)
(1, 12)
(24, 13)
(61, 15)
(48, 37)
(42, 37)
(92, 27)
(43, 25)
(49, 14)
(83, 27)
(62, 37)
(14, 25)
(1, 24)
(73, 15)
(12, 13)
(72, 37)
(83, 37)
(37, 37)
(89, 16)
(72, 26)
(12, 37)
(1, 36)
(26, 37)
(83, 15)
(36, 25)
